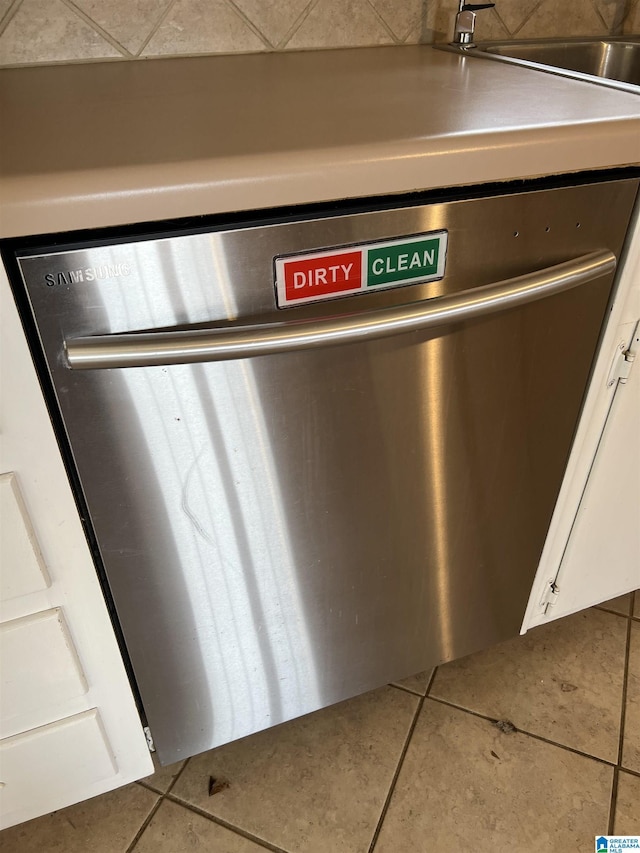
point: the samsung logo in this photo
(87, 274)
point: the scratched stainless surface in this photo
(283, 532)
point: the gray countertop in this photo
(118, 142)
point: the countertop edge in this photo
(58, 202)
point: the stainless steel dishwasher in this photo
(319, 450)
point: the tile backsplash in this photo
(46, 31)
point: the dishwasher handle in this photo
(147, 349)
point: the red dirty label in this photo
(309, 278)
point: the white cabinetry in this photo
(69, 728)
(41, 673)
(22, 569)
(592, 552)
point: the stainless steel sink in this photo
(616, 60)
(610, 61)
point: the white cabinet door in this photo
(70, 727)
(22, 568)
(52, 766)
(592, 551)
(40, 674)
(603, 552)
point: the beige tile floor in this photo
(531, 745)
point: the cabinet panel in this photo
(68, 759)
(592, 550)
(57, 764)
(40, 671)
(603, 552)
(22, 567)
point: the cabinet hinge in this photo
(623, 360)
(149, 737)
(549, 596)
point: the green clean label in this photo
(402, 262)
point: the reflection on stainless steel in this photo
(613, 61)
(146, 350)
(218, 523)
(221, 523)
(434, 355)
(279, 533)
(616, 60)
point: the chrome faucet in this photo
(466, 23)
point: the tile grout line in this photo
(526, 19)
(630, 772)
(427, 692)
(596, 9)
(614, 612)
(417, 22)
(501, 19)
(145, 784)
(148, 786)
(403, 753)
(295, 26)
(177, 776)
(9, 15)
(406, 690)
(250, 24)
(94, 25)
(618, 20)
(525, 732)
(150, 816)
(395, 38)
(623, 712)
(243, 833)
(612, 800)
(161, 19)
(145, 824)
(392, 786)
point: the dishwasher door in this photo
(284, 531)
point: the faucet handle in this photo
(466, 23)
